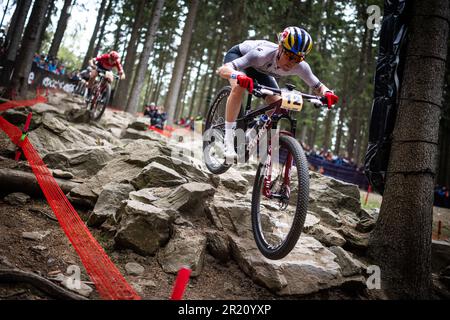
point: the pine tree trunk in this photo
(121, 96)
(24, 61)
(47, 21)
(161, 69)
(60, 29)
(217, 61)
(180, 62)
(145, 55)
(179, 111)
(401, 241)
(15, 33)
(195, 107)
(118, 33)
(90, 50)
(101, 33)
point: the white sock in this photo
(229, 132)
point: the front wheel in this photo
(98, 105)
(280, 199)
(213, 135)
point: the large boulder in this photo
(189, 198)
(185, 249)
(83, 163)
(109, 201)
(309, 267)
(117, 170)
(321, 195)
(192, 170)
(56, 134)
(142, 152)
(143, 228)
(157, 175)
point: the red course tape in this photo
(107, 278)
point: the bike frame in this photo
(277, 114)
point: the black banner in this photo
(40, 78)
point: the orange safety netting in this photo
(22, 103)
(107, 278)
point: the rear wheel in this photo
(277, 220)
(99, 107)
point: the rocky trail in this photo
(154, 212)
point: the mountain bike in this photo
(100, 94)
(281, 187)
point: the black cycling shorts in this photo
(260, 77)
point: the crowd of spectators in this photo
(328, 156)
(51, 64)
(156, 114)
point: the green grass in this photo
(371, 203)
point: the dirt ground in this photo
(54, 254)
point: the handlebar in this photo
(260, 91)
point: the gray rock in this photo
(57, 173)
(35, 235)
(327, 216)
(323, 196)
(117, 170)
(57, 135)
(5, 262)
(218, 245)
(440, 255)
(348, 264)
(39, 248)
(109, 202)
(140, 124)
(134, 269)
(309, 261)
(147, 283)
(188, 198)
(191, 170)
(326, 236)
(355, 239)
(142, 152)
(232, 216)
(144, 195)
(43, 108)
(137, 134)
(185, 249)
(83, 163)
(143, 228)
(157, 175)
(233, 180)
(348, 189)
(17, 198)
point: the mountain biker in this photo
(264, 61)
(107, 62)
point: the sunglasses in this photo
(293, 57)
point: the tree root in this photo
(53, 290)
